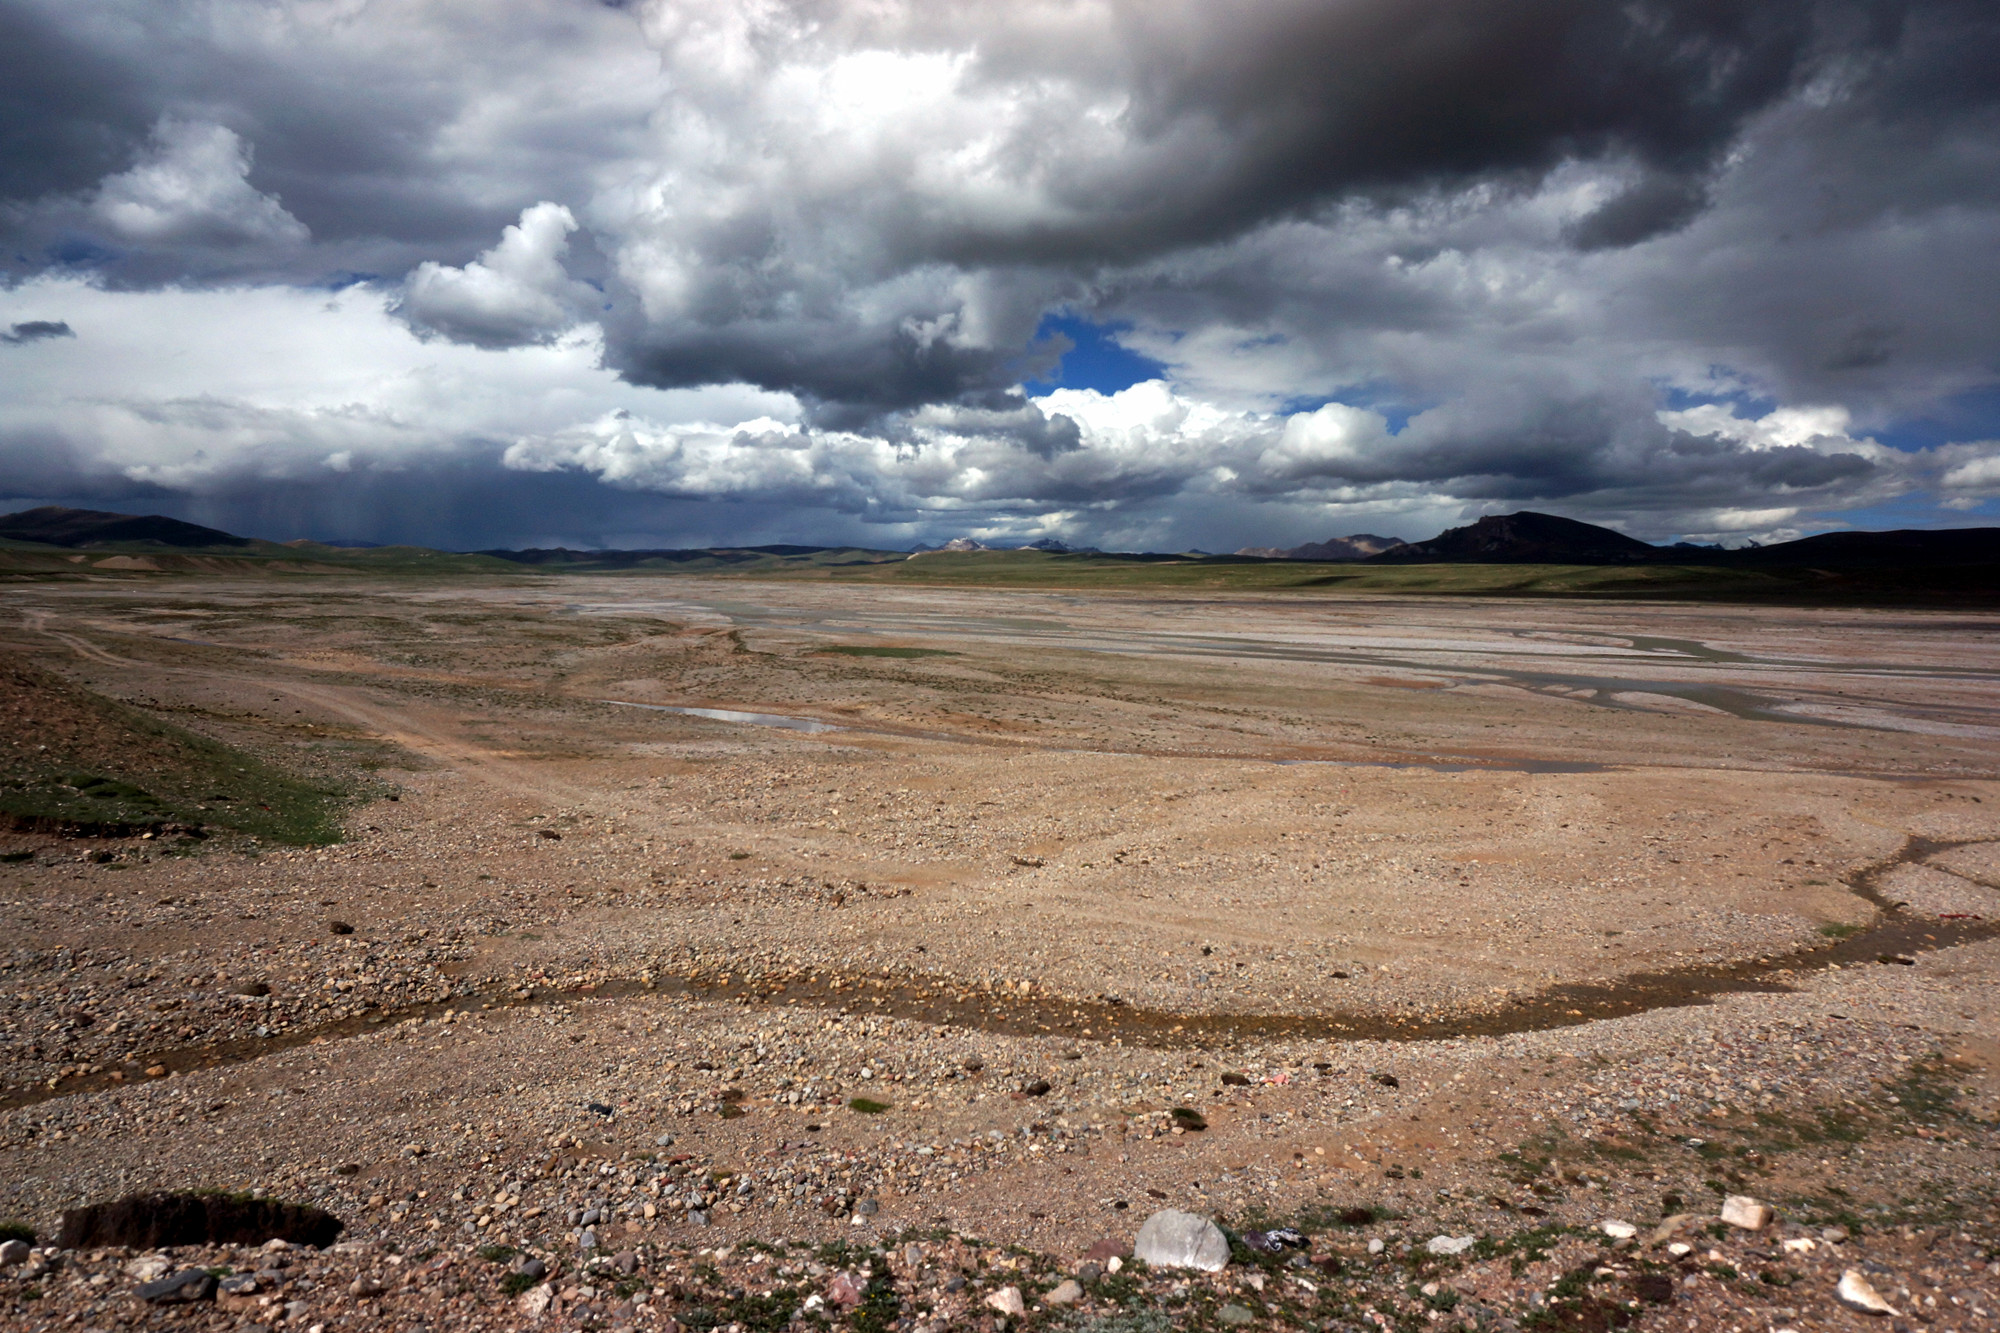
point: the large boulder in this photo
(1173, 1239)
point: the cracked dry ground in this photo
(1438, 919)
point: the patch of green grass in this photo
(15, 858)
(870, 650)
(879, 1309)
(1927, 1092)
(515, 1283)
(769, 1312)
(1126, 1321)
(1838, 930)
(867, 1106)
(497, 1254)
(20, 1231)
(152, 774)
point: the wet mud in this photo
(1895, 937)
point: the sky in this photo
(1139, 274)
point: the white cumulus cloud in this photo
(518, 292)
(193, 187)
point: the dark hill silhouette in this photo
(53, 525)
(1902, 547)
(1525, 538)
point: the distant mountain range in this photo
(1360, 546)
(1525, 538)
(1967, 558)
(1529, 538)
(52, 525)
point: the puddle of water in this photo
(781, 720)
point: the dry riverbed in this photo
(1385, 921)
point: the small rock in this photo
(1233, 1080)
(238, 1284)
(1068, 1293)
(534, 1302)
(1088, 1273)
(1275, 1240)
(1450, 1244)
(12, 1252)
(364, 1287)
(529, 1266)
(340, 927)
(954, 1284)
(1233, 1313)
(1375, 1245)
(588, 1241)
(186, 1287)
(1173, 1239)
(1039, 1088)
(1617, 1230)
(868, 1207)
(845, 1289)
(1855, 1293)
(1740, 1210)
(1388, 1080)
(1833, 1235)
(1668, 1229)
(1007, 1301)
(626, 1263)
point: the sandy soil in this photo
(1499, 916)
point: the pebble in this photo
(1443, 1245)
(1007, 1301)
(1740, 1210)
(1855, 1293)
(1068, 1292)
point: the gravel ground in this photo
(734, 1028)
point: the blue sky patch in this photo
(1097, 361)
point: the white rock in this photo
(1740, 1210)
(147, 1267)
(534, 1302)
(1450, 1244)
(1617, 1230)
(1680, 1249)
(1375, 1245)
(1801, 1245)
(1113, 1264)
(1068, 1293)
(1173, 1239)
(1856, 1294)
(12, 1252)
(1007, 1301)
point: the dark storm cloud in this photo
(1516, 222)
(34, 330)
